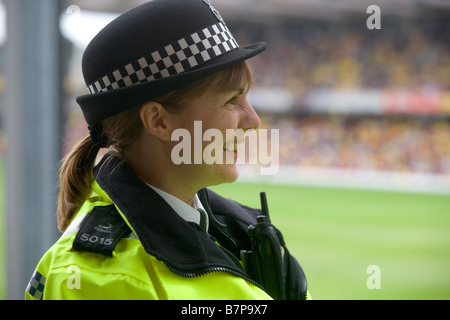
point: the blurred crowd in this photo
(408, 55)
(400, 144)
(312, 55)
(404, 55)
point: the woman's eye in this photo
(232, 101)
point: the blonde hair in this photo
(122, 130)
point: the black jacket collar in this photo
(165, 235)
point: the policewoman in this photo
(136, 225)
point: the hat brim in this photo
(102, 105)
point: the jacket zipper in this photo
(206, 271)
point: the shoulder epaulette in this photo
(101, 230)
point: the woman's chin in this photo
(232, 173)
(224, 173)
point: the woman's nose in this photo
(249, 119)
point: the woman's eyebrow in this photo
(240, 91)
(237, 91)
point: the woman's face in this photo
(219, 110)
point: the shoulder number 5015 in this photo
(94, 239)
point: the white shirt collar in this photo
(185, 211)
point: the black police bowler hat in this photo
(153, 49)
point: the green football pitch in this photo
(338, 234)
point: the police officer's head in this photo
(162, 66)
(152, 50)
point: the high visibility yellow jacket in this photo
(127, 243)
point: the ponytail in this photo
(76, 178)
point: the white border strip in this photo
(358, 179)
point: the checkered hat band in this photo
(176, 58)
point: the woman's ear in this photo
(154, 117)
